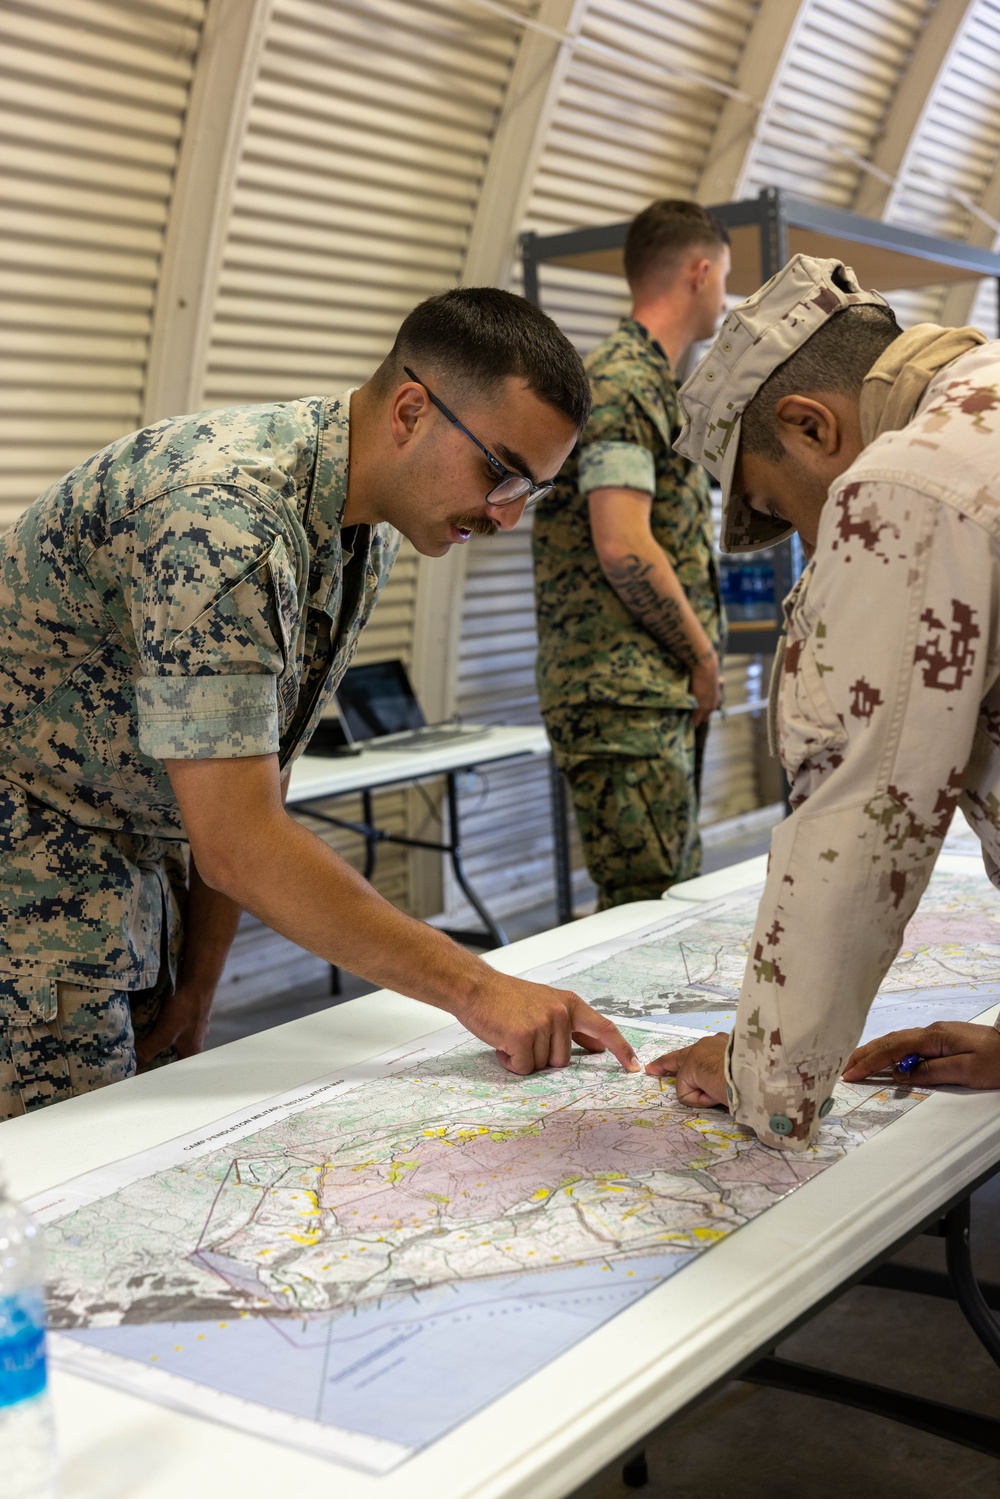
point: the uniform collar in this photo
(638, 330)
(327, 498)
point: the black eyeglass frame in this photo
(531, 495)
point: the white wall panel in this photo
(952, 159)
(956, 148)
(92, 103)
(366, 143)
(830, 107)
(832, 97)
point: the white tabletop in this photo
(553, 1431)
(315, 775)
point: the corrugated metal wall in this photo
(952, 160)
(830, 102)
(92, 108)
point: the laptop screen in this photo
(377, 699)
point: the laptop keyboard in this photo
(421, 738)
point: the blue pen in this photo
(907, 1064)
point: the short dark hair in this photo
(478, 336)
(659, 236)
(836, 358)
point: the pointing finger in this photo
(588, 1022)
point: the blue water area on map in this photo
(898, 1011)
(407, 1371)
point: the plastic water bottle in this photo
(27, 1435)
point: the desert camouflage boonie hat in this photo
(756, 337)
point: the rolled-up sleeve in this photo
(618, 443)
(204, 718)
(214, 604)
(616, 465)
(887, 662)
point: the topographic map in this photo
(687, 972)
(316, 1268)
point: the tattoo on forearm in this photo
(659, 613)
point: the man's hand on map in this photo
(700, 1077)
(955, 1051)
(532, 1026)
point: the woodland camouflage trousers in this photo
(58, 1039)
(635, 779)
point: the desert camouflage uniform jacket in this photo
(186, 593)
(888, 716)
(590, 648)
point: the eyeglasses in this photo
(510, 486)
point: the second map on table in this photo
(688, 968)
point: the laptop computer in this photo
(378, 709)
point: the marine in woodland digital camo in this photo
(174, 615)
(626, 587)
(182, 594)
(879, 447)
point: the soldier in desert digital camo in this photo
(174, 615)
(882, 449)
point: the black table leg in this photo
(968, 1292)
(635, 1472)
(492, 934)
(371, 835)
(454, 848)
(968, 1428)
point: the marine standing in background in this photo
(630, 626)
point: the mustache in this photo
(479, 525)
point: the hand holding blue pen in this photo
(949, 1052)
